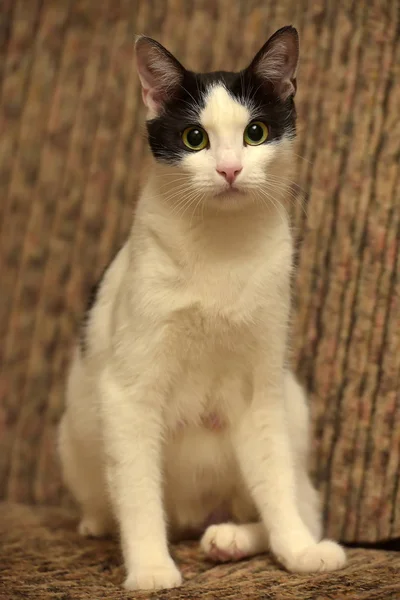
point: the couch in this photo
(72, 158)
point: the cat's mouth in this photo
(229, 191)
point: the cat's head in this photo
(223, 137)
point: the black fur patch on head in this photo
(184, 107)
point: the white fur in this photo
(190, 328)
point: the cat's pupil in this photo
(255, 132)
(195, 137)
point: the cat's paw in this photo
(225, 542)
(93, 527)
(324, 556)
(154, 577)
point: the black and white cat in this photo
(181, 411)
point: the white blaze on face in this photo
(225, 120)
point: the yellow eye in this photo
(255, 133)
(195, 138)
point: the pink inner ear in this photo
(158, 71)
(152, 99)
(148, 98)
(145, 93)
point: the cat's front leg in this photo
(267, 463)
(132, 428)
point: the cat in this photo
(182, 415)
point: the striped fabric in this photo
(72, 156)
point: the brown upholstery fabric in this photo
(43, 558)
(71, 160)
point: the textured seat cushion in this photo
(72, 155)
(43, 558)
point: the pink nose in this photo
(229, 172)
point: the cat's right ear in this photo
(159, 72)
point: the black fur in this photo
(165, 131)
(91, 301)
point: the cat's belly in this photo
(202, 477)
(212, 389)
(208, 400)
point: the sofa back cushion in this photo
(72, 155)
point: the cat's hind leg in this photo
(231, 541)
(87, 485)
(80, 453)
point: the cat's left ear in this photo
(277, 61)
(159, 72)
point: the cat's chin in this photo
(232, 192)
(230, 199)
